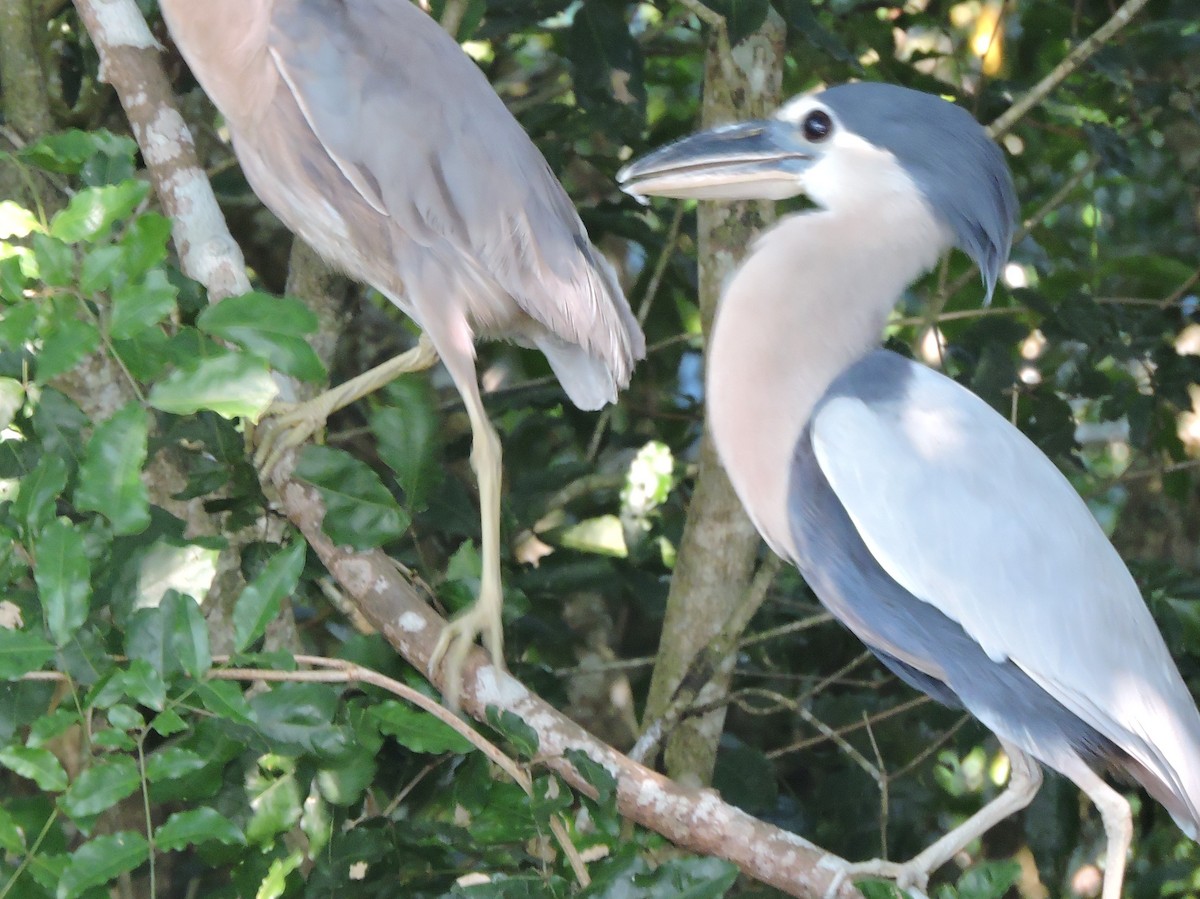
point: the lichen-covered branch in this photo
(716, 555)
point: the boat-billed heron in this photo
(921, 518)
(369, 132)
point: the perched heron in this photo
(368, 131)
(922, 519)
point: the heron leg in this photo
(288, 425)
(1117, 817)
(483, 617)
(1024, 780)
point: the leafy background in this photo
(140, 561)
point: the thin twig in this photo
(1077, 57)
(340, 671)
(808, 742)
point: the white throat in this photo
(811, 299)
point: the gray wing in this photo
(420, 134)
(967, 515)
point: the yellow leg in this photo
(287, 425)
(1024, 779)
(483, 617)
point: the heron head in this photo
(852, 149)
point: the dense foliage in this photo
(143, 572)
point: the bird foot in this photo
(458, 637)
(910, 877)
(284, 427)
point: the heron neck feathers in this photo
(810, 300)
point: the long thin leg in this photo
(1118, 822)
(287, 426)
(1024, 780)
(483, 617)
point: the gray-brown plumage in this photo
(369, 132)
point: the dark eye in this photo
(817, 126)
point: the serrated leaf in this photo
(63, 575)
(69, 341)
(55, 260)
(110, 478)
(101, 266)
(22, 652)
(231, 384)
(39, 491)
(271, 327)
(138, 681)
(172, 762)
(144, 243)
(359, 510)
(101, 786)
(418, 730)
(101, 860)
(259, 603)
(36, 764)
(168, 723)
(93, 210)
(140, 305)
(196, 826)
(172, 637)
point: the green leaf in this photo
(145, 243)
(67, 152)
(101, 786)
(226, 700)
(102, 266)
(231, 384)
(599, 777)
(271, 327)
(12, 397)
(168, 723)
(11, 839)
(93, 210)
(259, 603)
(523, 737)
(301, 715)
(39, 491)
(277, 806)
(101, 860)
(606, 60)
(172, 637)
(275, 883)
(63, 575)
(406, 431)
(110, 478)
(16, 220)
(17, 325)
(172, 762)
(55, 260)
(360, 512)
(69, 341)
(201, 825)
(38, 765)
(21, 652)
(139, 682)
(418, 730)
(141, 305)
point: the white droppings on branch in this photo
(411, 623)
(122, 25)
